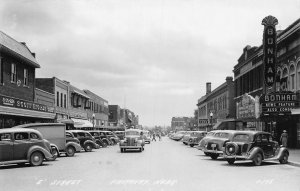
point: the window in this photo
(292, 78)
(298, 76)
(1, 71)
(57, 99)
(13, 76)
(61, 99)
(25, 77)
(34, 136)
(65, 101)
(21, 136)
(5, 137)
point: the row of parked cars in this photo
(36, 142)
(233, 145)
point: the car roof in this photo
(77, 131)
(16, 130)
(252, 132)
(137, 130)
(28, 125)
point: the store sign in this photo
(246, 107)
(17, 103)
(269, 49)
(279, 103)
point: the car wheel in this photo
(70, 151)
(88, 148)
(257, 159)
(121, 150)
(284, 159)
(36, 159)
(230, 161)
(104, 144)
(191, 145)
(54, 153)
(214, 156)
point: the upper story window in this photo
(13, 76)
(57, 99)
(65, 101)
(292, 78)
(61, 100)
(25, 77)
(1, 71)
(298, 76)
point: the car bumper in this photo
(211, 151)
(131, 147)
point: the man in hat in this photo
(284, 138)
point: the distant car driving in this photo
(133, 140)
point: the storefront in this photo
(16, 112)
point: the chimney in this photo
(208, 87)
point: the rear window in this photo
(5, 137)
(222, 135)
(21, 136)
(132, 133)
(241, 138)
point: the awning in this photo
(26, 113)
(81, 93)
(80, 123)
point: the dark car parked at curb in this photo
(87, 141)
(20, 146)
(99, 141)
(114, 139)
(256, 146)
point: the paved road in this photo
(164, 166)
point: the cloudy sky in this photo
(153, 57)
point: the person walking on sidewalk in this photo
(284, 138)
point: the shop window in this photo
(13, 75)
(25, 77)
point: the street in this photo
(163, 165)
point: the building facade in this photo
(216, 105)
(249, 82)
(17, 85)
(97, 110)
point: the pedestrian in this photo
(284, 138)
(153, 137)
(159, 137)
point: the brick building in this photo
(17, 85)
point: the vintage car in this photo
(99, 141)
(178, 135)
(147, 137)
(20, 146)
(120, 134)
(55, 133)
(133, 140)
(186, 137)
(196, 137)
(70, 138)
(87, 141)
(204, 140)
(256, 146)
(215, 145)
(109, 137)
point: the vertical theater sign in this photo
(269, 50)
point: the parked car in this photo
(204, 140)
(55, 133)
(20, 146)
(215, 145)
(70, 138)
(113, 137)
(196, 137)
(120, 134)
(178, 135)
(87, 141)
(99, 141)
(256, 146)
(105, 138)
(133, 140)
(186, 137)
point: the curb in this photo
(297, 164)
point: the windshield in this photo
(132, 133)
(241, 138)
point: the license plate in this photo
(213, 145)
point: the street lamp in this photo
(93, 121)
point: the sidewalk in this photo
(294, 158)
